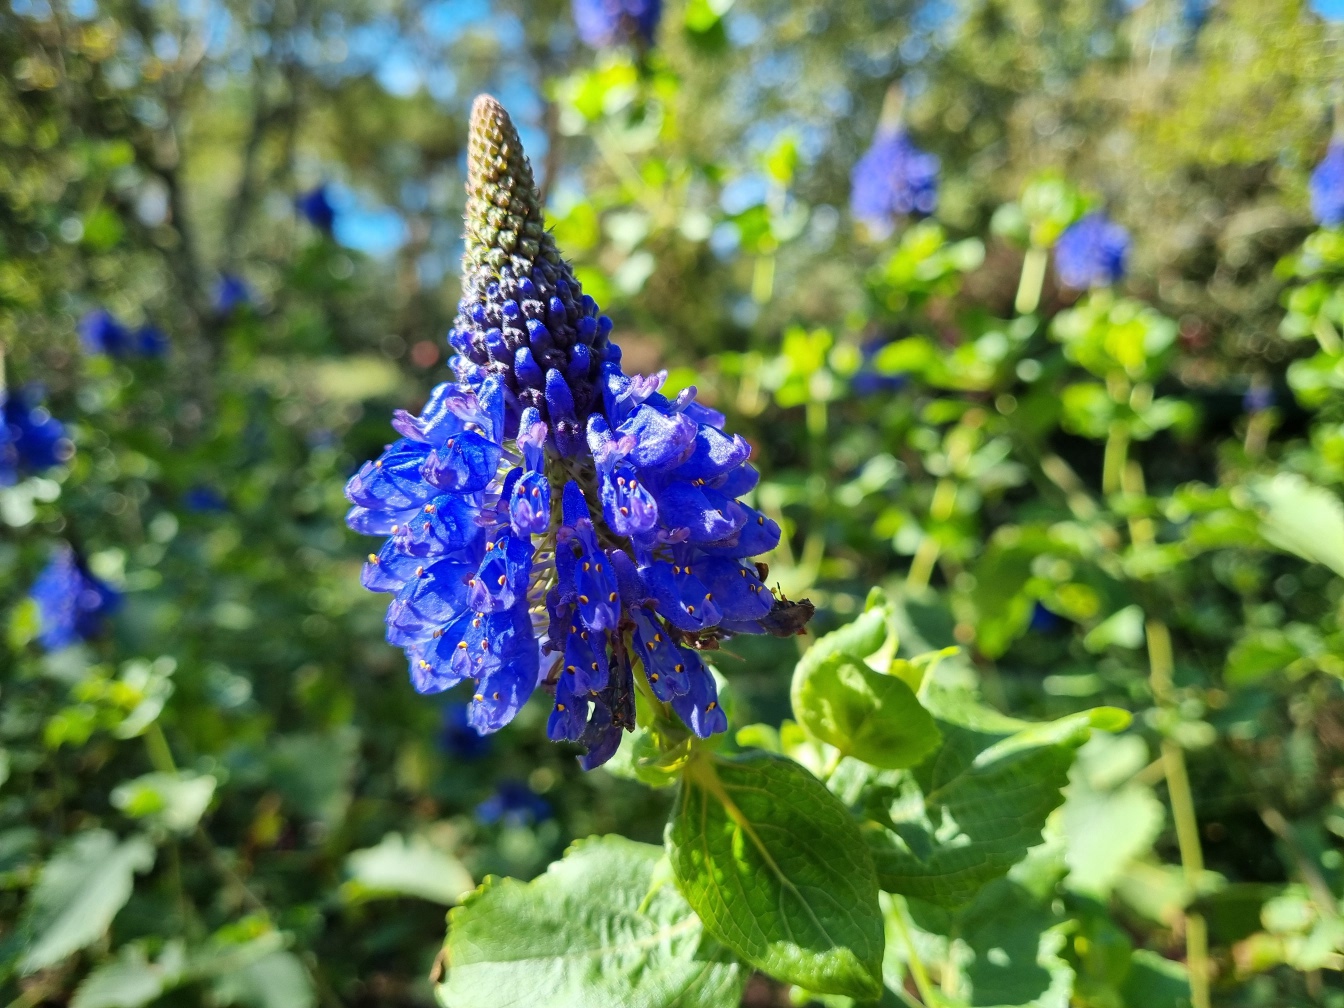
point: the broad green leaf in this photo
(598, 929)
(175, 801)
(277, 980)
(80, 891)
(1156, 982)
(1260, 653)
(776, 868)
(131, 980)
(406, 867)
(858, 638)
(1301, 518)
(1014, 943)
(971, 811)
(1107, 822)
(872, 717)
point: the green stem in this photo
(763, 279)
(160, 755)
(912, 956)
(1113, 463)
(1325, 334)
(1161, 678)
(921, 567)
(1033, 279)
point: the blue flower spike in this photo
(894, 179)
(552, 521)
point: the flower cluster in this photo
(31, 439)
(606, 23)
(316, 206)
(550, 518)
(1326, 187)
(1093, 251)
(893, 179)
(102, 334)
(71, 602)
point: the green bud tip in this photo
(505, 223)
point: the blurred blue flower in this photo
(647, 550)
(605, 23)
(101, 333)
(231, 292)
(1093, 251)
(31, 439)
(316, 206)
(1258, 398)
(458, 738)
(71, 602)
(1327, 187)
(893, 179)
(203, 499)
(151, 341)
(867, 381)
(513, 804)
(1044, 621)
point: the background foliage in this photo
(1128, 498)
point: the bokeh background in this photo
(229, 241)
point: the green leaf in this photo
(1123, 628)
(174, 801)
(406, 867)
(1155, 982)
(597, 929)
(1301, 518)
(971, 811)
(776, 868)
(859, 638)
(131, 980)
(80, 891)
(277, 980)
(872, 717)
(1107, 821)
(1015, 944)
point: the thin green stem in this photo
(1325, 334)
(763, 278)
(1032, 280)
(1113, 462)
(912, 955)
(921, 567)
(1161, 680)
(1161, 677)
(160, 755)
